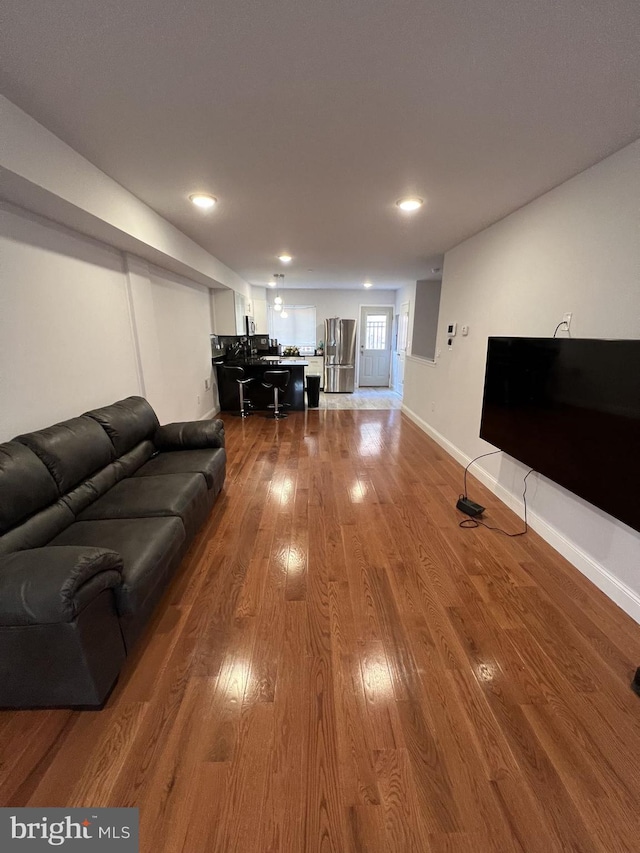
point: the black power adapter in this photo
(469, 507)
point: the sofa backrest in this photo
(127, 423)
(26, 485)
(72, 450)
(49, 476)
(31, 513)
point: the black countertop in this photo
(260, 362)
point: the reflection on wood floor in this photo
(362, 398)
(339, 667)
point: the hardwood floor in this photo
(339, 667)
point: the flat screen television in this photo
(570, 409)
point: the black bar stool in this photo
(237, 374)
(278, 380)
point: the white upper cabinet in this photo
(230, 310)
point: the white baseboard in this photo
(616, 590)
(210, 414)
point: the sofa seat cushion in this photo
(210, 463)
(182, 495)
(148, 547)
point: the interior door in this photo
(375, 346)
(401, 345)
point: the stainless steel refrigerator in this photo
(339, 355)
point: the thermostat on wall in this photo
(451, 329)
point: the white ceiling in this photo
(309, 118)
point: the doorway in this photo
(402, 340)
(375, 346)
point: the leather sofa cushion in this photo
(190, 435)
(135, 458)
(38, 530)
(210, 463)
(49, 585)
(147, 547)
(93, 488)
(72, 450)
(127, 422)
(26, 486)
(148, 497)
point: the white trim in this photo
(613, 588)
(388, 307)
(418, 359)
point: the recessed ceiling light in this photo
(367, 284)
(284, 258)
(203, 200)
(271, 284)
(410, 203)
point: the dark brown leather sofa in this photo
(96, 514)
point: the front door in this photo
(375, 346)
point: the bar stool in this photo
(278, 380)
(237, 374)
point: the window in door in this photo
(376, 331)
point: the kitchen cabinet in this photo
(315, 364)
(230, 309)
(260, 396)
(260, 316)
(241, 310)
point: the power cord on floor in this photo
(470, 523)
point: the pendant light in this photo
(277, 302)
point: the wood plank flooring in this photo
(339, 667)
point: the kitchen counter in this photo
(260, 396)
(285, 362)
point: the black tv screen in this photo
(570, 409)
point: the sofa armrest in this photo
(190, 435)
(53, 584)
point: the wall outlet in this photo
(433, 406)
(198, 398)
(465, 330)
(207, 384)
(566, 319)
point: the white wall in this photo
(65, 331)
(577, 248)
(181, 325)
(82, 325)
(334, 303)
